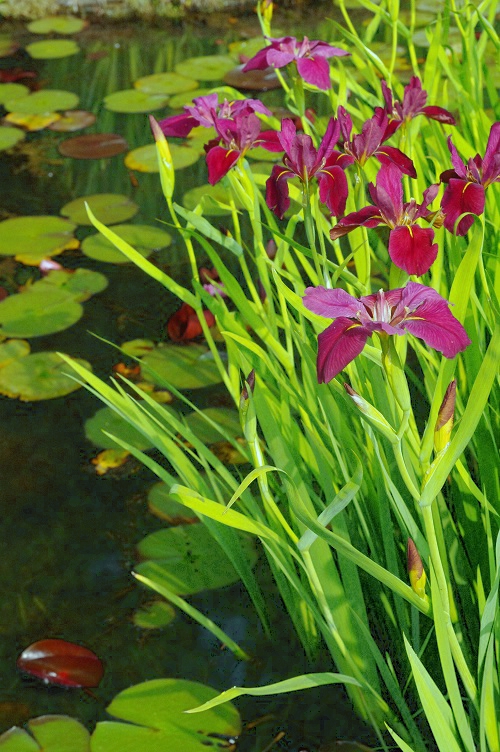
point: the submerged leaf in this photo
(154, 616)
(162, 504)
(107, 420)
(93, 146)
(143, 238)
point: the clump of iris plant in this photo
(416, 309)
(413, 104)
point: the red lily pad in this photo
(254, 80)
(73, 120)
(93, 146)
(63, 663)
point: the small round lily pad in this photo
(145, 158)
(143, 238)
(162, 504)
(93, 146)
(33, 238)
(32, 122)
(12, 350)
(155, 615)
(9, 137)
(81, 284)
(38, 376)
(108, 420)
(50, 49)
(58, 24)
(35, 314)
(109, 208)
(165, 83)
(45, 100)
(227, 418)
(73, 120)
(206, 68)
(12, 91)
(214, 200)
(8, 46)
(186, 98)
(184, 366)
(133, 100)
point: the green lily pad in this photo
(133, 100)
(38, 376)
(156, 708)
(59, 24)
(186, 98)
(162, 504)
(81, 284)
(31, 239)
(206, 68)
(35, 314)
(8, 46)
(214, 200)
(184, 366)
(143, 238)
(109, 208)
(165, 83)
(50, 49)
(12, 350)
(227, 418)
(136, 348)
(9, 137)
(108, 420)
(12, 91)
(53, 733)
(145, 158)
(246, 48)
(45, 100)
(189, 559)
(154, 616)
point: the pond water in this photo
(69, 536)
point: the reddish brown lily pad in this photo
(93, 146)
(73, 120)
(254, 80)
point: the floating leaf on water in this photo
(214, 200)
(206, 68)
(9, 137)
(93, 146)
(162, 504)
(143, 238)
(38, 376)
(184, 366)
(73, 120)
(60, 662)
(155, 615)
(109, 460)
(50, 49)
(35, 314)
(133, 100)
(12, 91)
(12, 350)
(246, 48)
(32, 122)
(81, 284)
(109, 208)
(165, 83)
(53, 733)
(254, 80)
(45, 100)
(8, 46)
(145, 158)
(158, 706)
(59, 24)
(33, 238)
(190, 559)
(108, 420)
(226, 417)
(186, 98)
(138, 347)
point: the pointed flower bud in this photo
(248, 417)
(249, 384)
(167, 173)
(444, 423)
(416, 570)
(372, 415)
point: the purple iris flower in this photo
(205, 111)
(369, 142)
(410, 247)
(413, 104)
(235, 138)
(415, 309)
(302, 160)
(467, 183)
(310, 57)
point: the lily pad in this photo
(134, 100)
(53, 733)
(81, 284)
(184, 366)
(206, 68)
(253, 80)
(162, 504)
(35, 314)
(136, 348)
(12, 350)
(12, 91)
(93, 146)
(9, 137)
(108, 420)
(50, 49)
(38, 376)
(186, 98)
(145, 158)
(59, 24)
(214, 200)
(156, 708)
(143, 238)
(32, 122)
(154, 616)
(165, 83)
(109, 208)
(8, 46)
(227, 418)
(73, 120)
(190, 560)
(31, 239)
(45, 100)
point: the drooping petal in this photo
(269, 140)
(412, 248)
(459, 197)
(315, 71)
(329, 140)
(338, 345)
(389, 154)
(435, 324)
(491, 161)
(287, 135)
(387, 94)
(278, 58)
(345, 122)
(331, 303)
(322, 49)
(333, 189)
(439, 114)
(369, 216)
(277, 197)
(178, 125)
(219, 162)
(258, 61)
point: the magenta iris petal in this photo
(279, 58)
(369, 216)
(439, 114)
(179, 126)
(315, 71)
(389, 154)
(258, 61)
(457, 163)
(219, 162)
(338, 345)
(491, 161)
(269, 140)
(331, 303)
(388, 195)
(460, 197)
(435, 324)
(333, 189)
(412, 248)
(277, 197)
